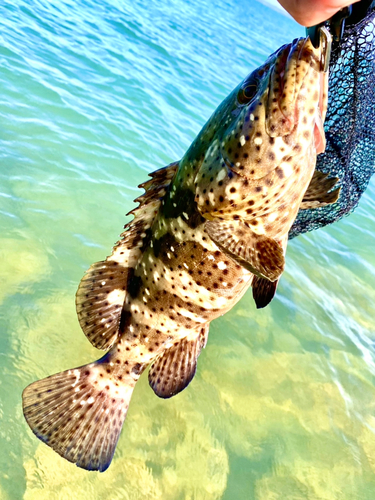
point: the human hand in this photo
(312, 12)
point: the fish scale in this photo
(206, 228)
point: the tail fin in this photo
(79, 413)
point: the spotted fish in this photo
(206, 228)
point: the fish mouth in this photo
(294, 62)
(287, 95)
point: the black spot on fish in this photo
(134, 284)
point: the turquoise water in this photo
(94, 95)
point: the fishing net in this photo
(350, 121)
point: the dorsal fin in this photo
(257, 253)
(319, 193)
(99, 302)
(175, 368)
(102, 291)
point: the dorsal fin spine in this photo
(102, 291)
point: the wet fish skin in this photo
(203, 228)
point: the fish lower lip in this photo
(284, 86)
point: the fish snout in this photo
(295, 63)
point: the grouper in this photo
(206, 229)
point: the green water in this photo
(93, 96)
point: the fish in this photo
(206, 229)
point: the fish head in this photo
(279, 112)
(260, 146)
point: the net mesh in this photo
(349, 125)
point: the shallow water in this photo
(94, 95)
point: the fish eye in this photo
(246, 94)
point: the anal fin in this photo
(176, 367)
(318, 193)
(257, 253)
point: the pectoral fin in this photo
(319, 193)
(176, 367)
(257, 253)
